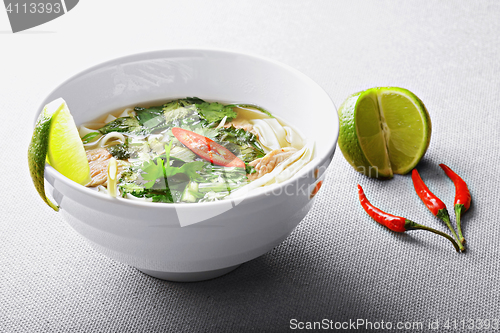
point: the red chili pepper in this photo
(396, 223)
(316, 189)
(462, 197)
(435, 205)
(207, 148)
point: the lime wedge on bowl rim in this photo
(56, 140)
(384, 131)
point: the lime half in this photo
(55, 139)
(384, 131)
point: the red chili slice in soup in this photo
(207, 148)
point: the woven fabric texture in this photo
(338, 264)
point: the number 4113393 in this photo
(471, 324)
(33, 8)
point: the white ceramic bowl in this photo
(192, 242)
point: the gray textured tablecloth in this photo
(338, 264)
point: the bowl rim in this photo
(263, 191)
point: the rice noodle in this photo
(279, 131)
(272, 133)
(284, 171)
(294, 138)
(110, 137)
(109, 118)
(128, 112)
(266, 135)
(84, 130)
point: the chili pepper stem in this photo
(458, 214)
(445, 217)
(410, 225)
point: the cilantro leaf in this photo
(178, 113)
(161, 196)
(207, 132)
(214, 112)
(156, 116)
(249, 169)
(150, 117)
(157, 168)
(123, 125)
(152, 171)
(120, 151)
(188, 169)
(191, 100)
(242, 143)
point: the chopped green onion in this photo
(90, 137)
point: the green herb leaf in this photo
(242, 143)
(207, 132)
(171, 115)
(132, 188)
(152, 171)
(150, 117)
(161, 196)
(120, 151)
(189, 169)
(157, 168)
(250, 169)
(192, 100)
(215, 112)
(123, 125)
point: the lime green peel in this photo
(384, 131)
(37, 150)
(56, 140)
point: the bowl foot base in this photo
(189, 276)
